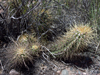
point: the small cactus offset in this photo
(73, 41)
(22, 38)
(27, 37)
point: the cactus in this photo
(74, 41)
(27, 37)
(19, 53)
(22, 38)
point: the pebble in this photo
(98, 74)
(64, 72)
(84, 73)
(1, 72)
(58, 72)
(1, 11)
(14, 72)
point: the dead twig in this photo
(13, 41)
(97, 47)
(25, 63)
(46, 57)
(48, 50)
(49, 30)
(27, 12)
(1, 66)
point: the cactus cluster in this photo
(40, 21)
(74, 41)
(71, 43)
(22, 50)
(34, 22)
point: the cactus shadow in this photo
(79, 61)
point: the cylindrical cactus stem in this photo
(74, 41)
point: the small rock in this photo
(0, 0)
(98, 74)
(84, 73)
(0, 72)
(58, 72)
(1, 11)
(14, 72)
(64, 72)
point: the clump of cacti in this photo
(29, 17)
(22, 50)
(74, 41)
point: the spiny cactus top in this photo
(82, 29)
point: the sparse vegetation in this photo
(45, 28)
